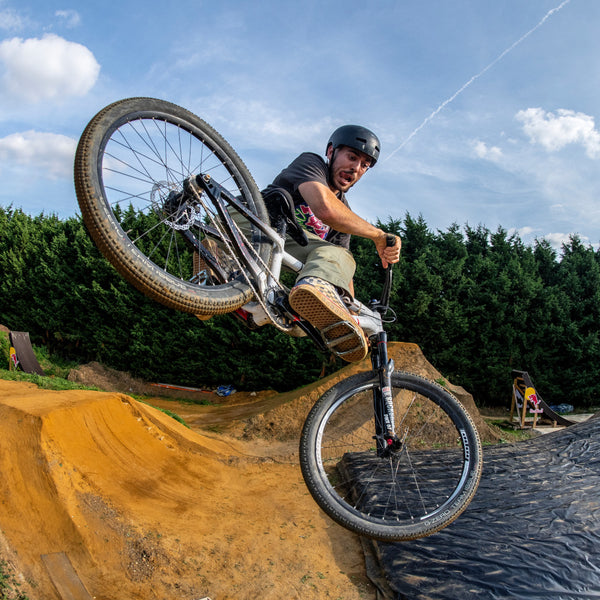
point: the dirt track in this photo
(146, 508)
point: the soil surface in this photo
(145, 508)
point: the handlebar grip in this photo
(383, 305)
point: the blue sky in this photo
(487, 109)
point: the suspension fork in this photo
(385, 427)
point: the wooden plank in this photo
(64, 577)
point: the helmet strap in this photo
(330, 169)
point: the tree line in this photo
(479, 303)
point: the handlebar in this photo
(383, 305)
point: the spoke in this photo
(109, 170)
(415, 480)
(168, 233)
(137, 153)
(127, 196)
(168, 146)
(148, 141)
(147, 159)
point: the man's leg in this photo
(324, 260)
(315, 297)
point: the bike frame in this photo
(266, 284)
(263, 279)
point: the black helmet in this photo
(357, 137)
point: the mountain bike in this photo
(387, 454)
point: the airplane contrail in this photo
(475, 77)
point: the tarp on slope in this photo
(532, 531)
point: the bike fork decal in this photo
(388, 415)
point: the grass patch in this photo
(53, 366)
(168, 412)
(46, 382)
(190, 401)
(508, 434)
(8, 586)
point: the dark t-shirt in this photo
(310, 167)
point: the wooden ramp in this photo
(26, 358)
(64, 577)
(522, 383)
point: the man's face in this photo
(348, 166)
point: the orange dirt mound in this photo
(146, 508)
(278, 418)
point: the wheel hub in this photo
(174, 206)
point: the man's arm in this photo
(333, 212)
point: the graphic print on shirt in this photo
(307, 219)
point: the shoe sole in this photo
(322, 314)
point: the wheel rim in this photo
(418, 483)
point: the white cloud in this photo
(10, 20)
(482, 150)
(46, 153)
(35, 70)
(522, 232)
(71, 17)
(258, 124)
(555, 131)
(558, 239)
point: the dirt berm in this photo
(145, 508)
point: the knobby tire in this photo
(413, 492)
(131, 160)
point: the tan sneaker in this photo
(318, 302)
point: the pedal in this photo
(331, 343)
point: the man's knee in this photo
(335, 255)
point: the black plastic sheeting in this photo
(532, 531)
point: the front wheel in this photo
(418, 487)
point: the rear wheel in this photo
(130, 167)
(419, 486)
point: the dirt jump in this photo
(145, 508)
(106, 497)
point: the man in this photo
(318, 189)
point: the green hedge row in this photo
(478, 303)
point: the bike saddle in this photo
(280, 206)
